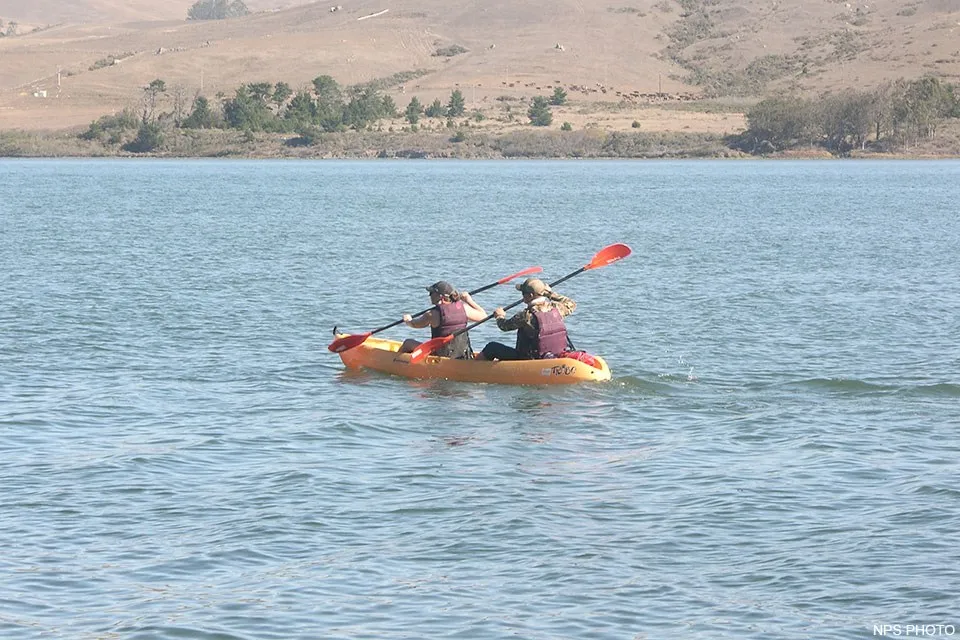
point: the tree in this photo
(302, 110)
(921, 106)
(388, 107)
(247, 111)
(330, 105)
(414, 111)
(880, 113)
(151, 92)
(327, 90)
(364, 108)
(261, 91)
(778, 123)
(559, 97)
(148, 139)
(281, 91)
(179, 104)
(539, 112)
(201, 117)
(217, 10)
(457, 105)
(846, 120)
(435, 110)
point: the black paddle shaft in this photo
(420, 313)
(513, 304)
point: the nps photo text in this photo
(913, 630)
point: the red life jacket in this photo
(582, 356)
(453, 317)
(550, 339)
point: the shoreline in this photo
(474, 144)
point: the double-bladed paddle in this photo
(605, 256)
(355, 340)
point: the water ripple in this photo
(775, 456)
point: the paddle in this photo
(605, 256)
(355, 340)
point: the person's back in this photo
(544, 334)
(541, 331)
(451, 312)
(453, 317)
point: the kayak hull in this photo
(381, 355)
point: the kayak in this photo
(381, 355)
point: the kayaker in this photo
(541, 332)
(451, 312)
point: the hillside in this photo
(600, 51)
(35, 13)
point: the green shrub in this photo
(110, 128)
(539, 112)
(457, 105)
(201, 116)
(435, 110)
(216, 10)
(450, 51)
(149, 138)
(109, 60)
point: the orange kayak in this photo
(381, 355)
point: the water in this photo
(776, 457)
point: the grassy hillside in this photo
(603, 52)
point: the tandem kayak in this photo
(381, 355)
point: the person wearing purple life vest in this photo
(541, 332)
(451, 312)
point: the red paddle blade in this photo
(609, 254)
(428, 347)
(520, 274)
(347, 342)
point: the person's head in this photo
(533, 288)
(442, 290)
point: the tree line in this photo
(322, 107)
(890, 117)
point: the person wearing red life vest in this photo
(541, 332)
(451, 312)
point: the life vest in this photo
(550, 338)
(453, 317)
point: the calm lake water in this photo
(777, 456)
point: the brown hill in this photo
(600, 51)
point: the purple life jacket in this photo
(453, 317)
(551, 337)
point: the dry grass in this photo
(474, 142)
(609, 53)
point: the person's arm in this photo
(475, 312)
(421, 321)
(513, 323)
(564, 305)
